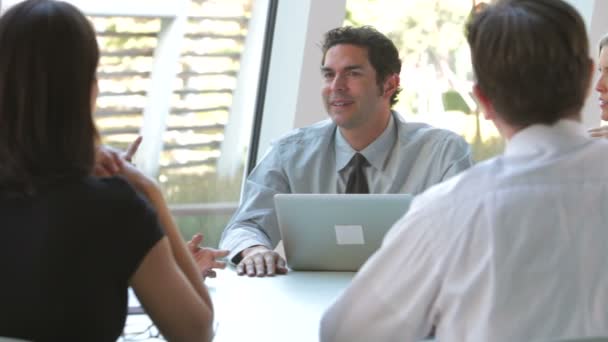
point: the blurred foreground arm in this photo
(167, 282)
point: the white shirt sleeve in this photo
(392, 296)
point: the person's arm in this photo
(253, 229)
(599, 132)
(392, 296)
(167, 282)
(177, 245)
(455, 156)
(178, 306)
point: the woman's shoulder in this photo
(117, 200)
(113, 187)
(112, 193)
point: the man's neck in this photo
(508, 131)
(361, 137)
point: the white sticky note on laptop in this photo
(349, 235)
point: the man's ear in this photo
(391, 85)
(486, 105)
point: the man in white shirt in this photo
(515, 248)
(360, 70)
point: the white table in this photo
(281, 308)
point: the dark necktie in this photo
(357, 183)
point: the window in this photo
(436, 74)
(178, 80)
(184, 74)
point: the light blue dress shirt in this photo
(405, 158)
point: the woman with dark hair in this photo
(602, 88)
(55, 287)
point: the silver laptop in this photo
(333, 232)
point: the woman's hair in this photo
(47, 71)
(602, 44)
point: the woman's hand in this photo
(108, 160)
(206, 257)
(599, 132)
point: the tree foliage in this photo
(429, 36)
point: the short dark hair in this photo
(381, 51)
(47, 70)
(531, 59)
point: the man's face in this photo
(350, 92)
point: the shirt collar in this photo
(375, 153)
(564, 134)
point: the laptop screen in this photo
(335, 232)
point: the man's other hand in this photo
(260, 261)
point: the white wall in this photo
(293, 97)
(585, 7)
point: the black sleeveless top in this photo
(66, 257)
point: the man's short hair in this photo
(381, 51)
(531, 59)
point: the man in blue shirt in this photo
(360, 69)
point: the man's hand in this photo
(107, 159)
(206, 257)
(599, 132)
(260, 261)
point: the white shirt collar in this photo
(375, 153)
(563, 135)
